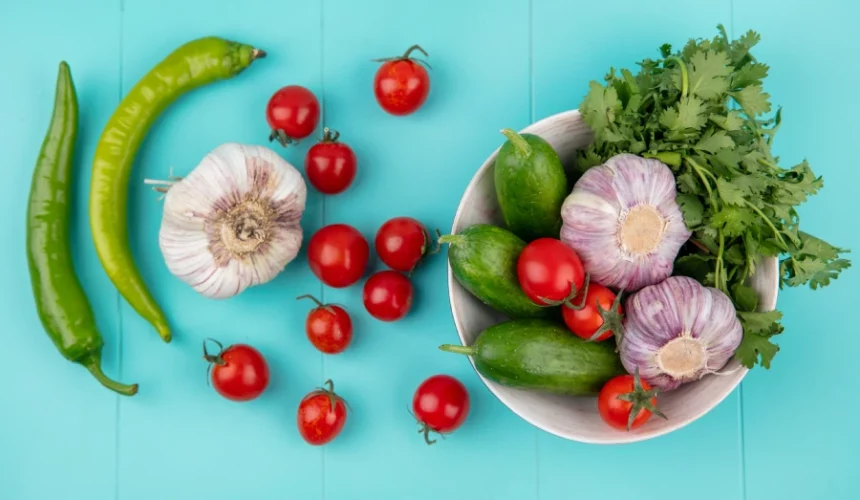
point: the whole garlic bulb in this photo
(623, 221)
(678, 331)
(234, 221)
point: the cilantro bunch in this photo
(701, 110)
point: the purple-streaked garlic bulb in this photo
(234, 221)
(623, 221)
(678, 331)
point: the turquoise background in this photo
(787, 433)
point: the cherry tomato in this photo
(402, 84)
(328, 327)
(626, 402)
(548, 271)
(330, 165)
(293, 113)
(239, 372)
(401, 243)
(441, 404)
(337, 255)
(586, 322)
(321, 415)
(388, 295)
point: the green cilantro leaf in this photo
(731, 121)
(751, 74)
(758, 327)
(600, 107)
(714, 142)
(732, 220)
(752, 100)
(753, 347)
(689, 114)
(730, 193)
(688, 183)
(692, 209)
(694, 265)
(708, 72)
(745, 298)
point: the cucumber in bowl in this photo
(541, 355)
(483, 260)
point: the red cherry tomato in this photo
(401, 243)
(337, 255)
(388, 295)
(330, 165)
(328, 327)
(586, 322)
(402, 84)
(548, 271)
(293, 113)
(239, 372)
(625, 402)
(441, 404)
(321, 415)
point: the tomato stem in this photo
(412, 49)
(213, 358)
(611, 321)
(425, 252)
(425, 429)
(640, 399)
(330, 135)
(282, 138)
(333, 397)
(405, 56)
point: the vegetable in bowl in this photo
(702, 111)
(697, 118)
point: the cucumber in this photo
(530, 186)
(483, 259)
(543, 356)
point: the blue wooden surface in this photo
(496, 63)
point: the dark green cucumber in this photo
(484, 261)
(543, 356)
(530, 186)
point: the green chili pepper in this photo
(190, 66)
(64, 310)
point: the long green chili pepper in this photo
(63, 308)
(190, 66)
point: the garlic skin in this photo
(623, 221)
(678, 331)
(234, 221)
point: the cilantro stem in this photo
(770, 165)
(685, 80)
(701, 173)
(719, 273)
(671, 158)
(767, 221)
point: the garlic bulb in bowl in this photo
(623, 221)
(678, 331)
(234, 221)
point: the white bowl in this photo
(576, 418)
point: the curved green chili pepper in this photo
(63, 308)
(190, 66)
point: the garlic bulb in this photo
(678, 331)
(623, 221)
(234, 221)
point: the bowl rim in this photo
(614, 438)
